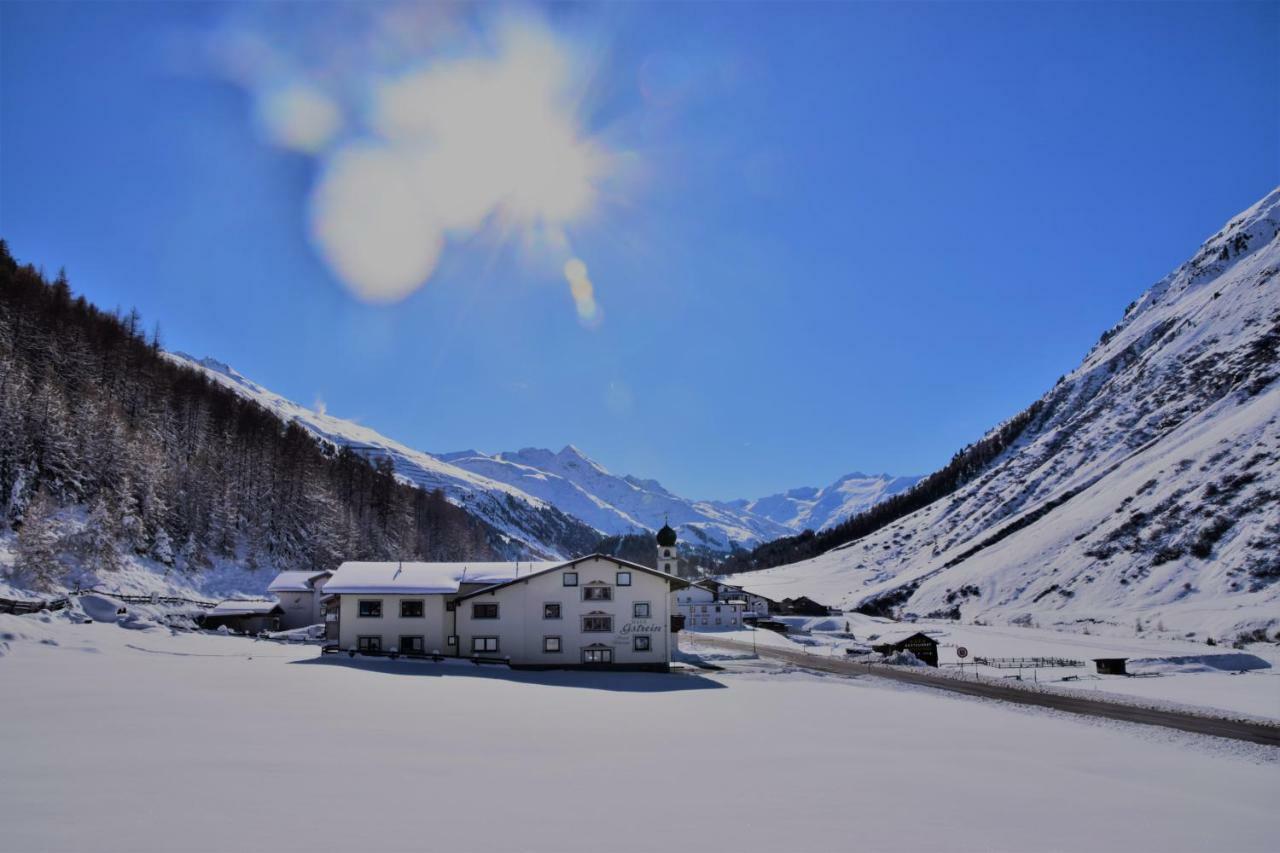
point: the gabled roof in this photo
(296, 581)
(410, 578)
(675, 582)
(245, 608)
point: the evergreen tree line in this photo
(964, 466)
(161, 462)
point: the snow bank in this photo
(1228, 662)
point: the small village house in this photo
(704, 609)
(299, 594)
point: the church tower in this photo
(668, 561)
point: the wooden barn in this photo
(246, 617)
(919, 644)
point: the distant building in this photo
(299, 594)
(704, 609)
(752, 603)
(802, 606)
(919, 644)
(246, 617)
(1111, 666)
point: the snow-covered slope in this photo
(818, 509)
(529, 521)
(1146, 487)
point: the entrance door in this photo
(597, 655)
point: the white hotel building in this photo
(595, 611)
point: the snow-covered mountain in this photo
(618, 504)
(1146, 486)
(818, 509)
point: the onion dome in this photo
(666, 536)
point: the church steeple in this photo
(668, 559)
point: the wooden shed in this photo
(1111, 666)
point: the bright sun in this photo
(460, 144)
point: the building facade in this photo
(596, 611)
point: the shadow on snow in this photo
(622, 682)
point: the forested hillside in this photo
(107, 449)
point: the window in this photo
(484, 644)
(666, 552)
(624, 578)
(484, 611)
(370, 609)
(717, 608)
(597, 624)
(411, 646)
(597, 655)
(717, 620)
(551, 611)
(369, 644)
(666, 567)
(570, 578)
(411, 610)
(640, 610)
(597, 593)
(704, 608)
(551, 645)
(640, 644)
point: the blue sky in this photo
(827, 237)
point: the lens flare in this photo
(423, 142)
(583, 292)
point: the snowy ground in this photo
(1175, 672)
(117, 739)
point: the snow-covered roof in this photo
(393, 578)
(295, 581)
(244, 608)
(675, 582)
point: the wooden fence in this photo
(20, 607)
(1027, 663)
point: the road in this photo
(1253, 732)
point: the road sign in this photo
(962, 652)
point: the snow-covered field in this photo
(1173, 672)
(116, 739)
